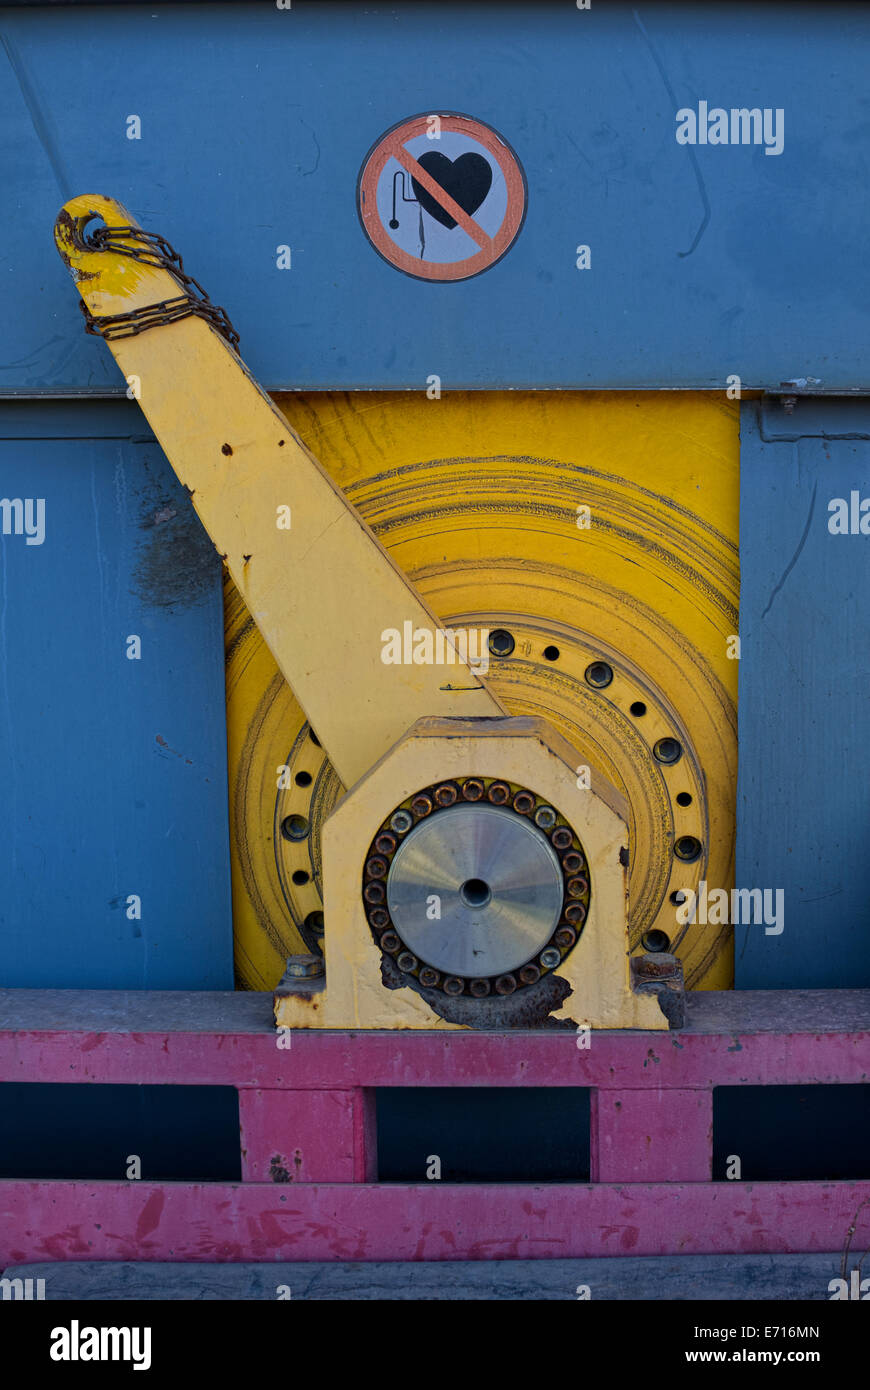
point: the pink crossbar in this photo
(430, 1221)
(308, 1139)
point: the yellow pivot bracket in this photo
(318, 583)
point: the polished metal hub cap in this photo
(476, 887)
(495, 880)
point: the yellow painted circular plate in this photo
(593, 528)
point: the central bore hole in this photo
(475, 893)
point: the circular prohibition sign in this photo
(468, 187)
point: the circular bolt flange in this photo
(499, 886)
(687, 848)
(493, 841)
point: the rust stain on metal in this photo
(277, 1171)
(527, 1008)
(657, 967)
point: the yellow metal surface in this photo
(476, 497)
(320, 587)
(593, 528)
(527, 750)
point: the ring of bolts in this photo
(569, 851)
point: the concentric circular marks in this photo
(441, 196)
(498, 884)
(482, 893)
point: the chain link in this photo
(153, 249)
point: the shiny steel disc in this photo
(495, 880)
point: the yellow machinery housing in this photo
(591, 748)
(476, 497)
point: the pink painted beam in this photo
(343, 1061)
(652, 1136)
(307, 1136)
(253, 1221)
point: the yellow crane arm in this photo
(318, 583)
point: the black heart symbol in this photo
(467, 180)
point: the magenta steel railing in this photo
(309, 1187)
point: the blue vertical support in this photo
(114, 858)
(804, 707)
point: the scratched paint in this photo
(428, 1221)
(176, 563)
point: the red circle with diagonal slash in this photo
(392, 146)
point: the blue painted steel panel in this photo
(804, 708)
(112, 770)
(706, 260)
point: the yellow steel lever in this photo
(318, 583)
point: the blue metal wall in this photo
(706, 261)
(803, 820)
(113, 778)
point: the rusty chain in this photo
(153, 250)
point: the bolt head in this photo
(304, 967)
